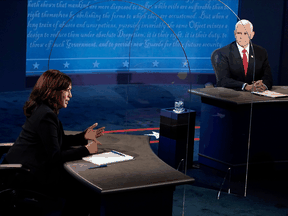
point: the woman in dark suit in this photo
(42, 145)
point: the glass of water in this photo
(179, 105)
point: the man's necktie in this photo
(245, 62)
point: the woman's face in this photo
(65, 97)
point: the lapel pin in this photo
(252, 56)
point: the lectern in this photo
(225, 128)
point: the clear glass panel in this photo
(225, 115)
(164, 61)
(129, 62)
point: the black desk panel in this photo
(224, 131)
(145, 182)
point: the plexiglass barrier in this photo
(143, 56)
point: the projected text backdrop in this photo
(97, 39)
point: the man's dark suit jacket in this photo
(43, 147)
(228, 66)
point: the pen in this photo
(105, 165)
(115, 152)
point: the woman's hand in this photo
(93, 146)
(91, 134)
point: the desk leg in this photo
(143, 202)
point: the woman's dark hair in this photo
(47, 90)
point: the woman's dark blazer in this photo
(43, 147)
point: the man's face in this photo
(242, 36)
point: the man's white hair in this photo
(244, 22)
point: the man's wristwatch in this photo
(243, 87)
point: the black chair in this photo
(17, 199)
(214, 60)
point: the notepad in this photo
(272, 94)
(108, 158)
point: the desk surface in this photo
(239, 97)
(145, 171)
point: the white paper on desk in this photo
(272, 94)
(107, 158)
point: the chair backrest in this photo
(17, 193)
(4, 148)
(10, 172)
(214, 60)
(2, 157)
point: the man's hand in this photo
(250, 87)
(256, 86)
(259, 85)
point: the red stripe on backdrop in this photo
(144, 129)
(156, 141)
(139, 129)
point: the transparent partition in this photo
(132, 64)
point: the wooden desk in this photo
(225, 120)
(143, 186)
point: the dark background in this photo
(269, 19)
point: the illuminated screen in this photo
(140, 36)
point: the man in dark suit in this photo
(234, 63)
